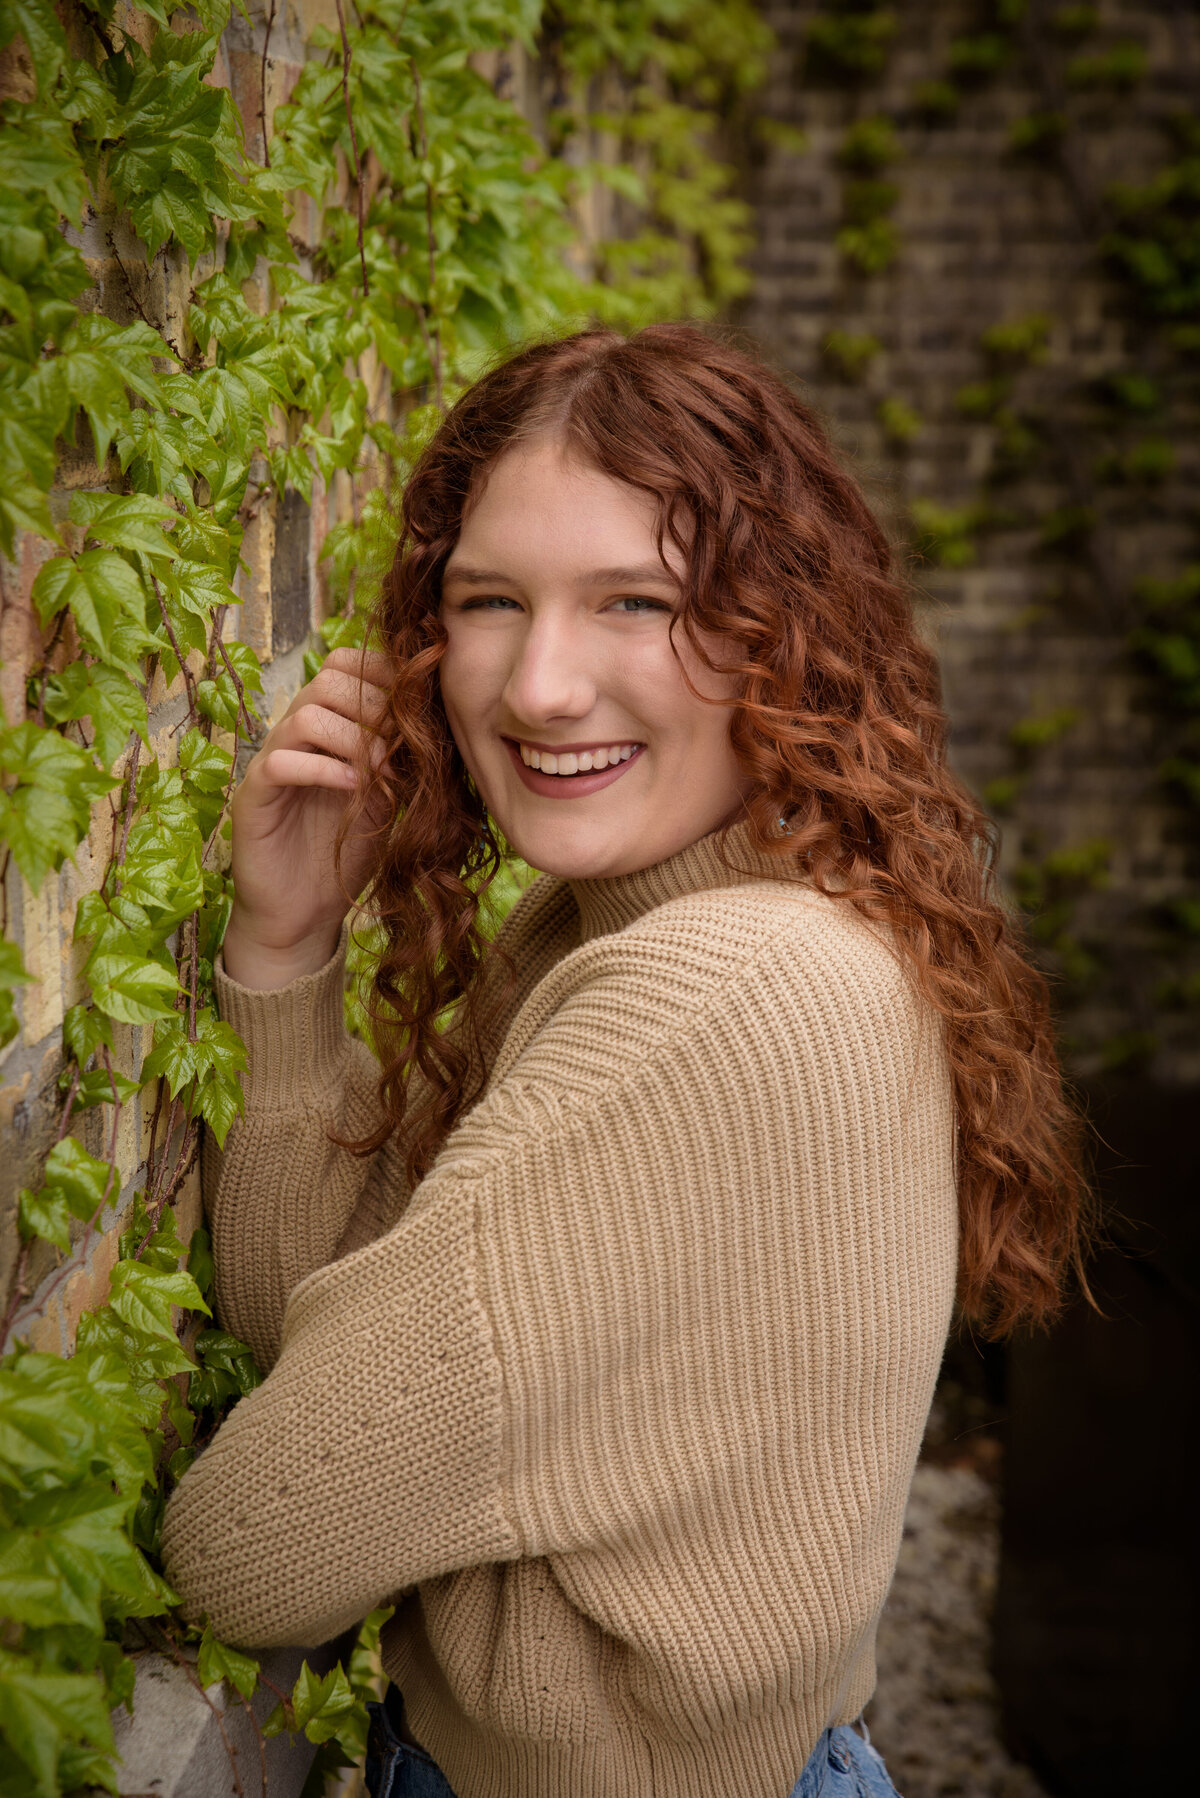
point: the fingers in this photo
(302, 768)
(349, 694)
(369, 665)
(311, 726)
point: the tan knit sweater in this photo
(621, 1406)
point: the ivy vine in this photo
(302, 360)
(1110, 442)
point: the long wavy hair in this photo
(838, 727)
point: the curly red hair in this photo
(838, 727)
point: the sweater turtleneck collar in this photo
(726, 858)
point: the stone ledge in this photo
(172, 1745)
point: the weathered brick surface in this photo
(988, 237)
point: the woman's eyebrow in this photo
(597, 577)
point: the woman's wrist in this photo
(267, 967)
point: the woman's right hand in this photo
(289, 900)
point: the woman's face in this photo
(557, 610)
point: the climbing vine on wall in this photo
(1107, 443)
(315, 344)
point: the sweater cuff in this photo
(295, 1036)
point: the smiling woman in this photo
(605, 1352)
(561, 661)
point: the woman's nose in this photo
(551, 676)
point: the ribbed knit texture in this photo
(622, 1404)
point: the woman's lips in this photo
(567, 786)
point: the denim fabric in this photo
(395, 1769)
(842, 1765)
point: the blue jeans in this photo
(842, 1765)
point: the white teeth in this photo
(567, 762)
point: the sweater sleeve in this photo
(284, 1198)
(679, 1282)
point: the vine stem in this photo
(358, 161)
(39, 716)
(262, 111)
(239, 689)
(16, 1316)
(135, 756)
(184, 1664)
(432, 331)
(189, 679)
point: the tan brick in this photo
(42, 1001)
(45, 1332)
(254, 588)
(89, 1287)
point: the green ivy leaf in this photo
(44, 1213)
(200, 1260)
(135, 522)
(218, 1661)
(96, 1087)
(83, 1179)
(101, 590)
(12, 974)
(142, 1298)
(175, 209)
(66, 1551)
(206, 766)
(108, 696)
(47, 814)
(43, 1710)
(84, 1031)
(39, 25)
(117, 924)
(131, 990)
(173, 1057)
(23, 507)
(40, 157)
(220, 1103)
(320, 1707)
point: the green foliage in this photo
(936, 101)
(1120, 67)
(901, 422)
(441, 231)
(869, 145)
(1107, 445)
(944, 534)
(1018, 340)
(1074, 21)
(850, 353)
(864, 200)
(1049, 890)
(849, 46)
(978, 57)
(1037, 133)
(1155, 244)
(869, 248)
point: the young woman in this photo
(606, 1353)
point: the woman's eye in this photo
(495, 602)
(638, 602)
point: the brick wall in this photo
(282, 597)
(988, 236)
